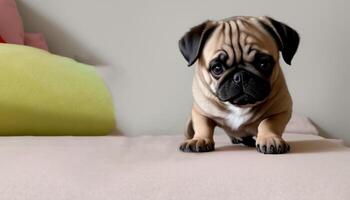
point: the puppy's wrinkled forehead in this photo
(240, 38)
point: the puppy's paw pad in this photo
(197, 145)
(271, 145)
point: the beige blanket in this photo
(151, 167)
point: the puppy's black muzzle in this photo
(242, 87)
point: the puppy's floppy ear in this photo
(192, 43)
(287, 38)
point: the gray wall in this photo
(152, 82)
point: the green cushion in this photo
(45, 94)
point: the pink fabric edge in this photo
(11, 25)
(35, 40)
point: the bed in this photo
(151, 167)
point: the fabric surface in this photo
(35, 40)
(11, 26)
(151, 167)
(45, 94)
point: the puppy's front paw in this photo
(197, 145)
(271, 145)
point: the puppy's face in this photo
(238, 57)
(238, 60)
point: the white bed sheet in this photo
(151, 167)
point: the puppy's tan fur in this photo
(266, 120)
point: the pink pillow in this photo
(35, 40)
(2, 40)
(11, 26)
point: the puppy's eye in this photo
(264, 63)
(217, 69)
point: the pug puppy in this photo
(238, 83)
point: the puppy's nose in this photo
(237, 77)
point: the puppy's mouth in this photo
(243, 88)
(242, 100)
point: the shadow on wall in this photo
(59, 40)
(323, 133)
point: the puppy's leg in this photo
(189, 131)
(202, 140)
(269, 139)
